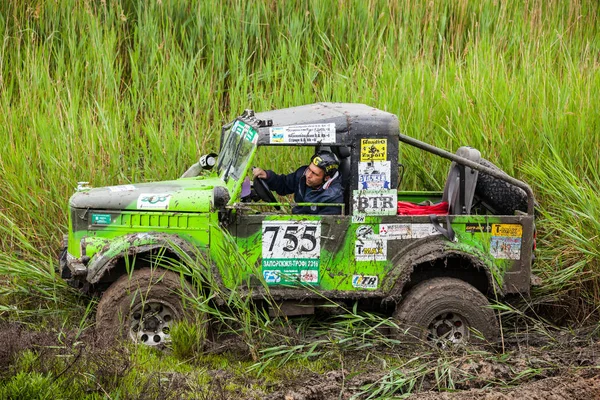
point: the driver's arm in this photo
(282, 184)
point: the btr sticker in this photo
(375, 202)
(121, 188)
(505, 247)
(407, 231)
(246, 131)
(512, 230)
(373, 149)
(153, 201)
(303, 134)
(370, 250)
(374, 175)
(365, 281)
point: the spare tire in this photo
(504, 197)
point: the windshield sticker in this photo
(406, 231)
(504, 247)
(246, 131)
(370, 250)
(303, 134)
(374, 175)
(511, 230)
(375, 202)
(153, 201)
(365, 281)
(291, 251)
(121, 188)
(373, 149)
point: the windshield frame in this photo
(237, 151)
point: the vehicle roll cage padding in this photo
(474, 165)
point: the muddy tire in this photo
(142, 307)
(444, 311)
(502, 196)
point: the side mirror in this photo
(208, 161)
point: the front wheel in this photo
(142, 307)
(444, 311)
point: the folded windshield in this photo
(239, 145)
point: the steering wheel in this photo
(262, 190)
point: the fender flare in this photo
(430, 250)
(137, 243)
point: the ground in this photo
(564, 366)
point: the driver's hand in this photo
(259, 173)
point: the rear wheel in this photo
(142, 307)
(445, 311)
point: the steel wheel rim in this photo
(448, 328)
(150, 323)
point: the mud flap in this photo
(448, 232)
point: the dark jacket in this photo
(296, 183)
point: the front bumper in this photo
(72, 269)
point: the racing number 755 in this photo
(291, 234)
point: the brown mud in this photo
(562, 368)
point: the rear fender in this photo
(430, 251)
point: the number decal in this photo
(309, 234)
(290, 239)
(290, 236)
(291, 252)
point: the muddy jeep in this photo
(429, 259)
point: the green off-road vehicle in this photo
(430, 259)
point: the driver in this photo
(318, 182)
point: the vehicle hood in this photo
(184, 195)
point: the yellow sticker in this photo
(511, 230)
(373, 149)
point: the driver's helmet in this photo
(327, 161)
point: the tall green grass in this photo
(121, 91)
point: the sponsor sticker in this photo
(121, 188)
(101, 219)
(366, 232)
(303, 134)
(358, 219)
(153, 201)
(370, 250)
(477, 228)
(506, 247)
(246, 131)
(512, 230)
(373, 149)
(309, 276)
(374, 175)
(375, 202)
(365, 281)
(291, 251)
(406, 231)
